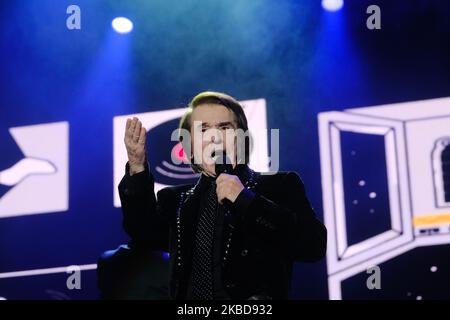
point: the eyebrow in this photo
(226, 123)
(220, 124)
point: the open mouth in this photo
(217, 153)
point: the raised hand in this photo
(135, 136)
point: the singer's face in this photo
(212, 128)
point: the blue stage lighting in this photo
(332, 5)
(122, 25)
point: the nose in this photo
(216, 137)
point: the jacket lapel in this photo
(231, 221)
(189, 214)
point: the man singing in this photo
(231, 236)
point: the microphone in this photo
(223, 165)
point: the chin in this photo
(211, 171)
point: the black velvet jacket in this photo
(269, 226)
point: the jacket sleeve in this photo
(290, 223)
(145, 219)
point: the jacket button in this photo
(244, 252)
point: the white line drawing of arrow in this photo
(26, 167)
